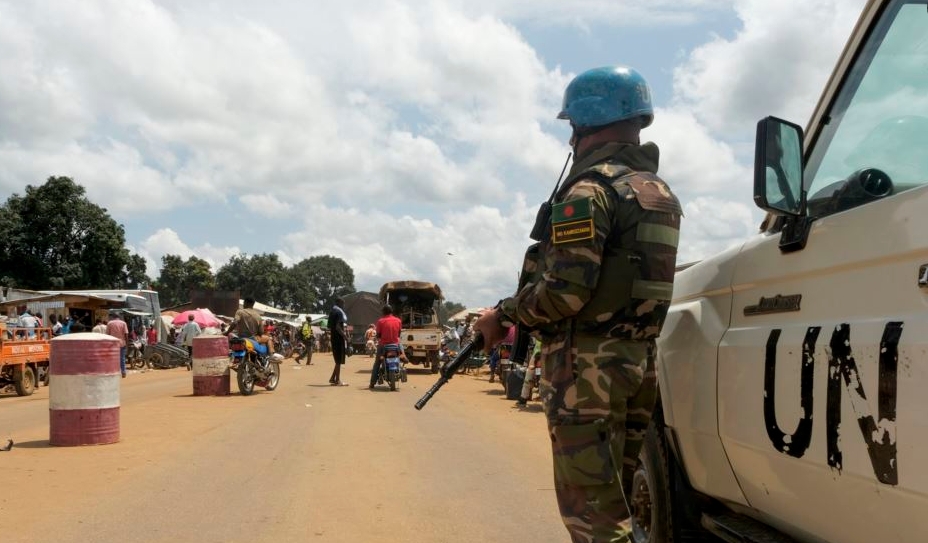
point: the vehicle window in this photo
(874, 143)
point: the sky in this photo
(413, 139)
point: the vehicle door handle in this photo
(923, 276)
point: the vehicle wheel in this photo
(391, 379)
(156, 360)
(138, 362)
(273, 377)
(24, 381)
(434, 363)
(246, 380)
(649, 496)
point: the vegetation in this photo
(53, 237)
(447, 309)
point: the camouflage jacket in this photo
(606, 266)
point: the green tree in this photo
(178, 278)
(170, 281)
(136, 276)
(329, 278)
(261, 277)
(54, 237)
(198, 274)
(447, 309)
(301, 297)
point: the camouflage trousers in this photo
(598, 395)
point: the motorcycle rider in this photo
(388, 329)
(369, 339)
(249, 324)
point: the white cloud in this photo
(265, 205)
(583, 13)
(777, 64)
(386, 133)
(167, 241)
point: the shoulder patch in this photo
(653, 194)
(572, 221)
(571, 210)
(609, 170)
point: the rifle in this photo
(448, 370)
(540, 232)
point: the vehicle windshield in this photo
(880, 117)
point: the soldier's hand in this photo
(489, 327)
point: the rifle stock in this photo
(449, 369)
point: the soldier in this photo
(599, 293)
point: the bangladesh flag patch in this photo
(572, 221)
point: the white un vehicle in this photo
(794, 368)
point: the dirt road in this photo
(307, 462)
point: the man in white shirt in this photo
(27, 321)
(188, 332)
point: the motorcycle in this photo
(286, 348)
(253, 364)
(392, 368)
(371, 347)
(134, 357)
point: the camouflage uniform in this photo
(607, 280)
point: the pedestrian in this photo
(188, 332)
(597, 297)
(152, 335)
(56, 326)
(66, 322)
(117, 328)
(29, 322)
(496, 355)
(306, 338)
(339, 337)
(100, 327)
(388, 329)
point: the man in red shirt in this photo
(388, 331)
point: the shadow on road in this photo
(39, 444)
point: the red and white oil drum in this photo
(83, 394)
(211, 366)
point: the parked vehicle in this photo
(166, 356)
(24, 358)
(253, 364)
(416, 304)
(392, 370)
(792, 367)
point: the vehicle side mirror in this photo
(778, 186)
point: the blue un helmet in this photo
(605, 95)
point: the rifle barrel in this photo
(449, 369)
